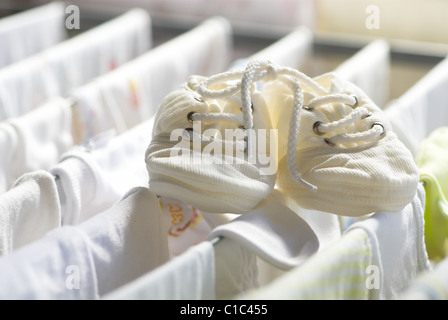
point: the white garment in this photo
(398, 246)
(190, 276)
(291, 50)
(429, 285)
(339, 272)
(236, 269)
(325, 225)
(28, 211)
(8, 145)
(40, 137)
(132, 93)
(273, 232)
(93, 178)
(92, 259)
(369, 69)
(266, 18)
(186, 226)
(422, 108)
(53, 72)
(28, 32)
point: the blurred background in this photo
(417, 30)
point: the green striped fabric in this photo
(336, 273)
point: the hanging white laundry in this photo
(186, 226)
(190, 276)
(8, 145)
(273, 232)
(132, 93)
(398, 246)
(429, 285)
(93, 177)
(291, 50)
(92, 259)
(326, 226)
(236, 269)
(422, 108)
(28, 32)
(369, 69)
(336, 273)
(271, 239)
(40, 137)
(267, 18)
(43, 270)
(28, 211)
(53, 72)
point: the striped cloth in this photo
(339, 272)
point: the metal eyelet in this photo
(356, 102)
(366, 116)
(327, 141)
(379, 124)
(307, 108)
(190, 116)
(316, 128)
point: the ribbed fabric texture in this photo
(336, 273)
(210, 183)
(354, 179)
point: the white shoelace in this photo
(241, 82)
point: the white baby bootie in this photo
(211, 144)
(337, 151)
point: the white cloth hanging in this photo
(369, 69)
(28, 32)
(53, 72)
(269, 18)
(236, 269)
(92, 178)
(429, 285)
(291, 50)
(422, 108)
(92, 259)
(186, 226)
(398, 246)
(8, 145)
(133, 92)
(273, 232)
(336, 273)
(28, 211)
(35, 140)
(190, 276)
